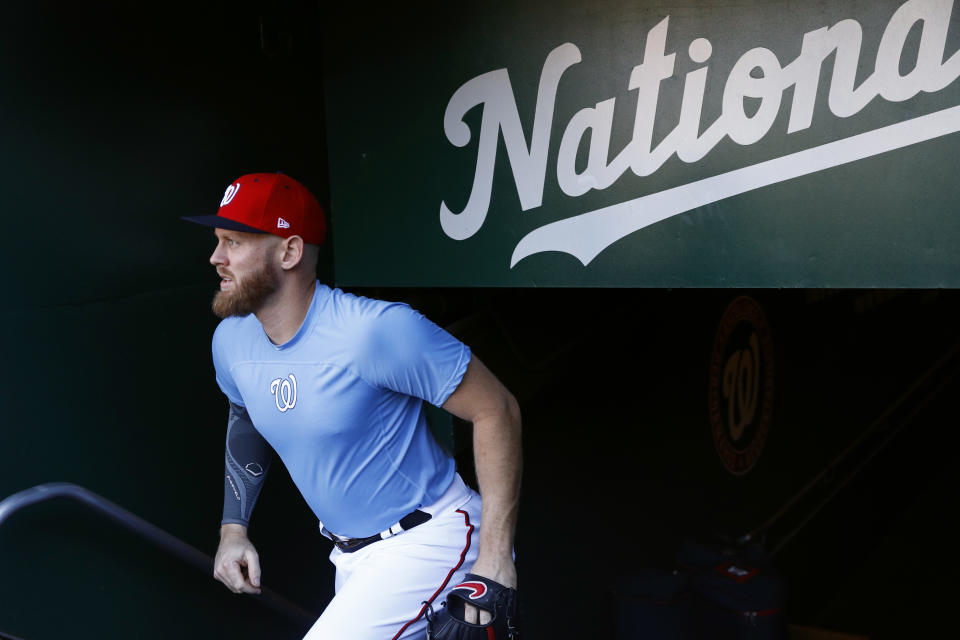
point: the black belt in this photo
(407, 522)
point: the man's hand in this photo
(237, 564)
(503, 572)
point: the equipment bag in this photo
(737, 594)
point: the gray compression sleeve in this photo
(248, 458)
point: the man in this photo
(334, 383)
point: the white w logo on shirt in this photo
(284, 393)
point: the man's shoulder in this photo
(354, 309)
(362, 326)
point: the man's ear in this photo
(292, 252)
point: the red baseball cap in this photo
(269, 203)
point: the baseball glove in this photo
(500, 601)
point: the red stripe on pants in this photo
(463, 555)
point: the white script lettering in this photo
(758, 75)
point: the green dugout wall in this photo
(653, 144)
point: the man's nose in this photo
(218, 258)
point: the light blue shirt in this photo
(340, 403)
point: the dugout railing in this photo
(168, 543)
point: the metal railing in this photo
(134, 523)
(780, 528)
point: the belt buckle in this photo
(348, 544)
(340, 543)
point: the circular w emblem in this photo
(284, 393)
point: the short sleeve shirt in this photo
(342, 404)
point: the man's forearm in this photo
(481, 399)
(247, 460)
(498, 459)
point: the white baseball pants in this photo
(381, 587)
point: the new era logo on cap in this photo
(269, 203)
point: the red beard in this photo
(248, 297)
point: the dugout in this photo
(823, 218)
